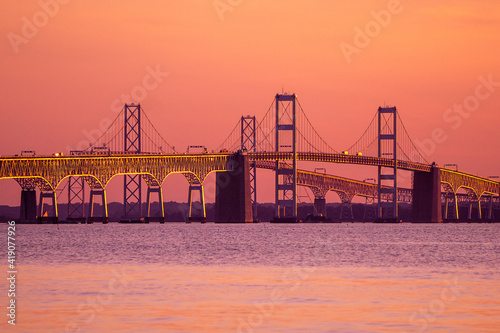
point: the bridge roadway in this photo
(340, 158)
(47, 172)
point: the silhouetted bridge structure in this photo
(133, 148)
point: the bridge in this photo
(134, 149)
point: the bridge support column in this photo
(50, 215)
(370, 211)
(346, 213)
(132, 189)
(92, 217)
(471, 206)
(450, 213)
(149, 217)
(426, 206)
(28, 206)
(190, 217)
(233, 202)
(320, 206)
(479, 212)
(490, 208)
(445, 211)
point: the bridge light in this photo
(359, 153)
(345, 152)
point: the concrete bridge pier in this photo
(28, 206)
(426, 205)
(92, 215)
(149, 217)
(490, 209)
(190, 217)
(471, 206)
(346, 213)
(233, 203)
(320, 206)
(51, 214)
(369, 211)
(450, 213)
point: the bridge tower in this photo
(132, 183)
(387, 147)
(286, 141)
(249, 143)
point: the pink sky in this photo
(63, 80)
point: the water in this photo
(256, 278)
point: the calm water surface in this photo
(256, 278)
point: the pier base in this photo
(320, 206)
(51, 215)
(92, 217)
(190, 217)
(160, 215)
(233, 202)
(28, 206)
(426, 205)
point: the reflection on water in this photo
(258, 278)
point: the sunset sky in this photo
(229, 58)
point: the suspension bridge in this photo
(132, 147)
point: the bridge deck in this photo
(102, 167)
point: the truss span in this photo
(476, 186)
(320, 184)
(48, 172)
(340, 158)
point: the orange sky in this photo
(63, 79)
